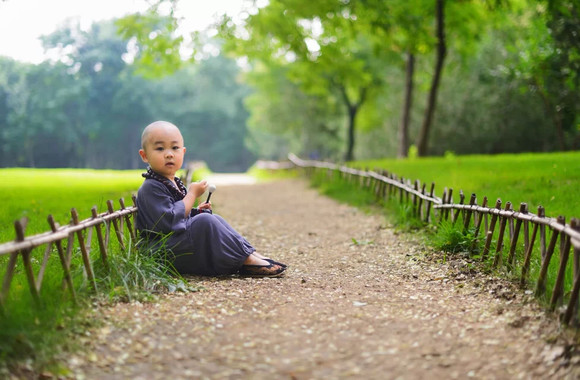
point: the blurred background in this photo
(330, 79)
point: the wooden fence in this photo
(68, 240)
(483, 222)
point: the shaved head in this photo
(157, 126)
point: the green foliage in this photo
(451, 238)
(264, 175)
(91, 105)
(343, 191)
(200, 172)
(135, 274)
(284, 119)
(156, 39)
(402, 216)
(322, 50)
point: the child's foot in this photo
(270, 270)
(269, 260)
(276, 263)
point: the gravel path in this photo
(358, 301)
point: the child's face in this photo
(164, 150)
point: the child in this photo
(199, 241)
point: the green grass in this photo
(551, 180)
(262, 175)
(40, 333)
(36, 193)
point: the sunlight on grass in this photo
(36, 193)
(549, 179)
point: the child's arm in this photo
(193, 192)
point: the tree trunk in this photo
(352, 110)
(404, 127)
(423, 138)
(552, 112)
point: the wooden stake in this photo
(490, 231)
(20, 227)
(63, 260)
(431, 192)
(467, 215)
(118, 232)
(128, 221)
(102, 245)
(558, 290)
(478, 224)
(499, 247)
(541, 284)
(85, 255)
(514, 241)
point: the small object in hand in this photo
(211, 189)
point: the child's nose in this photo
(169, 153)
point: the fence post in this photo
(449, 201)
(385, 186)
(20, 227)
(528, 255)
(429, 202)
(455, 214)
(416, 188)
(402, 181)
(102, 245)
(542, 214)
(491, 229)
(468, 213)
(128, 221)
(62, 257)
(502, 225)
(564, 254)
(443, 202)
(420, 207)
(572, 303)
(541, 284)
(116, 225)
(514, 242)
(85, 254)
(478, 224)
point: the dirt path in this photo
(358, 301)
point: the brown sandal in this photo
(271, 270)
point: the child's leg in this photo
(209, 247)
(250, 260)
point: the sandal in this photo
(276, 263)
(271, 270)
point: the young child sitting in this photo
(199, 242)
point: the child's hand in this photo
(198, 188)
(205, 206)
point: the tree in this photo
(285, 119)
(319, 42)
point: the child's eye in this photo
(159, 149)
(175, 148)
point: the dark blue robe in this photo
(203, 244)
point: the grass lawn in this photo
(36, 193)
(551, 180)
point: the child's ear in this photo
(143, 155)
